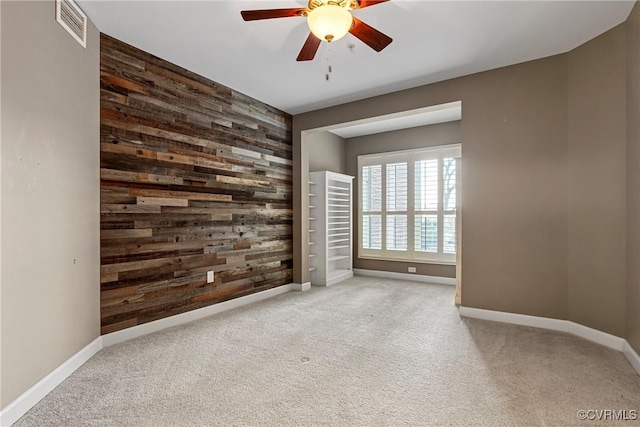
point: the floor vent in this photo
(69, 15)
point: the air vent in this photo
(69, 15)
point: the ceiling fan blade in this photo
(254, 15)
(369, 35)
(367, 3)
(309, 49)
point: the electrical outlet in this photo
(209, 276)
(412, 269)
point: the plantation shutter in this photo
(408, 204)
(372, 207)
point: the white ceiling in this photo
(432, 41)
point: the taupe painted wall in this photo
(514, 181)
(597, 182)
(50, 194)
(543, 181)
(633, 178)
(1, 404)
(327, 152)
(405, 139)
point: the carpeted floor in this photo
(366, 352)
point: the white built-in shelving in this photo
(330, 227)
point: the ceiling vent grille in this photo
(69, 15)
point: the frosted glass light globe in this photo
(329, 22)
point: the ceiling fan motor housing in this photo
(347, 4)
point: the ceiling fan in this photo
(328, 20)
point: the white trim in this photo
(301, 287)
(405, 276)
(450, 150)
(594, 335)
(33, 395)
(515, 319)
(190, 316)
(631, 356)
(334, 278)
(409, 260)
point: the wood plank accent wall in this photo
(194, 177)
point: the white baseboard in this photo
(405, 276)
(301, 287)
(632, 356)
(29, 398)
(190, 316)
(594, 335)
(334, 279)
(515, 319)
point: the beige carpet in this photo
(365, 352)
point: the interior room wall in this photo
(597, 182)
(327, 152)
(195, 177)
(404, 139)
(633, 179)
(50, 194)
(514, 136)
(1, 403)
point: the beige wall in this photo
(633, 179)
(544, 180)
(1, 404)
(597, 187)
(50, 194)
(327, 152)
(405, 139)
(514, 182)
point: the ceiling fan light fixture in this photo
(329, 22)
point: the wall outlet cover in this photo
(412, 269)
(209, 276)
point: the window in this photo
(408, 202)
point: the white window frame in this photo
(410, 157)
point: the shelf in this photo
(339, 240)
(332, 227)
(335, 187)
(338, 247)
(338, 234)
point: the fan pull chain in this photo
(329, 68)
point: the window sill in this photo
(411, 260)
